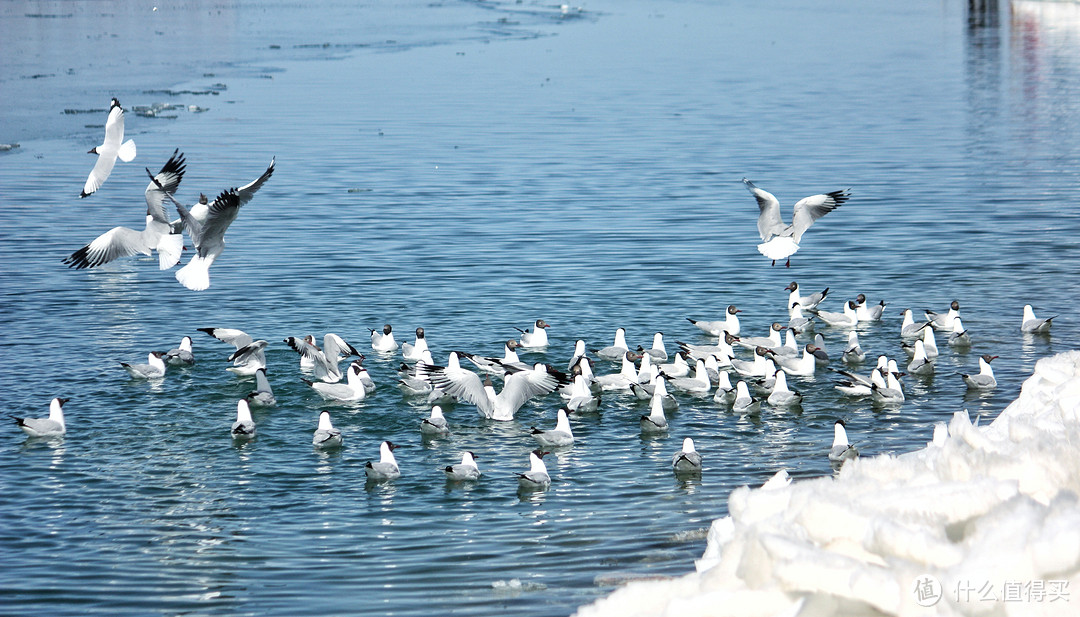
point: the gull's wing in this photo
(334, 345)
(243, 354)
(810, 209)
(248, 191)
(117, 242)
(102, 168)
(524, 385)
(221, 214)
(166, 180)
(769, 223)
(232, 336)
(114, 128)
(463, 384)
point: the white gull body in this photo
(464, 471)
(112, 148)
(244, 426)
(560, 436)
(386, 468)
(326, 436)
(687, 459)
(52, 426)
(1032, 324)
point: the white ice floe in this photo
(983, 521)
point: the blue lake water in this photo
(470, 167)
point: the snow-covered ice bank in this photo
(983, 521)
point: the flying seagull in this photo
(781, 241)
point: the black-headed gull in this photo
(920, 363)
(386, 468)
(891, 394)
(772, 341)
(153, 369)
(730, 323)
(497, 366)
(262, 395)
(1032, 324)
(864, 312)
(352, 390)
(627, 374)
(847, 319)
(658, 352)
(725, 392)
(687, 459)
(679, 367)
(841, 450)
(208, 238)
(743, 403)
(944, 321)
(781, 395)
(415, 351)
(53, 426)
(929, 344)
(616, 350)
(383, 342)
(582, 400)
(656, 421)
(909, 328)
(537, 337)
(560, 436)
(537, 476)
(326, 436)
(518, 387)
(697, 383)
(244, 427)
(182, 355)
(464, 471)
(326, 360)
(435, 424)
(853, 353)
(806, 302)
(797, 320)
(984, 380)
(111, 148)
(780, 241)
(959, 336)
(722, 350)
(248, 357)
(200, 209)
(157, 235)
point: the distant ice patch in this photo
(983, 521)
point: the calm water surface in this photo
(470, 167)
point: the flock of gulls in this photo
(204, 221)
(760, 367)
(761, 373)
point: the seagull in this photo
(537, 337)
(676, 368)
(557, 437)
(386, 468)
(760, 366)
(383, 342)
(928, 341)
(944, 322)
(352, 390)
(582, 399)
(801, 366)
(244, 427)
(1032, 324)
(910, 329)
(725, 392)
(109, 150)
(627, 374)
(157, 235)
(769, 342)
(853, 353)
(53, 426)
(537, 477)
(698, 384)
(326, 360)
(579, 353)
(262, 395)
(658, 352)
(435, 425)
(208, 238)
(181, 355)
(985, 379)
(248, 357)
(656, 421)
(646, 392)
(847, 319)
(780, 241)
(781, 396)
(201, 209)
(841, 450)
(722, 349)
(868, 313)
(820, 354)
(616, 350)
(518, 387)
(799, 321)
(497, 366)
(326, 436)
(892, 393)
(920, 364)
(716, 328)
(808, 303)
(415, 351)
(743, 403)
(465, 470)
(959, 336)
(153, 369)
(686, 460)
